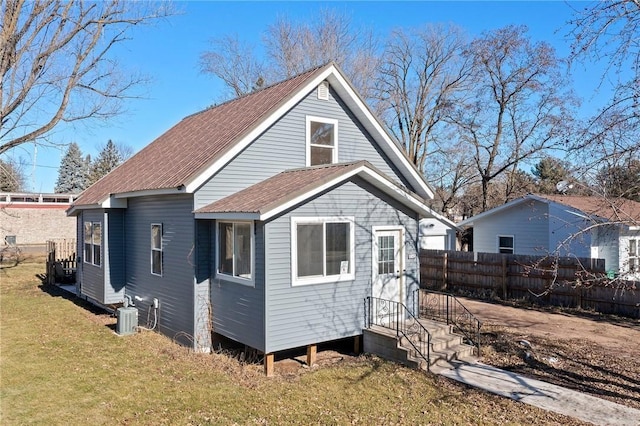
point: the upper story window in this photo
(322, 141)
(235, 251)
(156, 249)
(92, 243)
(505, 244)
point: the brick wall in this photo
(35, 224)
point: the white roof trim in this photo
(469, 221)
(372, 177)
(228, 216)
(200, 180)
(364, 115)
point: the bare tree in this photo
(234, 62)
(422, 75)
(12, 178)
(520, 107)
(292, 47)
(56, 66)
(609, 32)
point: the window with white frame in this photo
(235, 250)
(322, 141)
(156, 249)
(322, 250)
(505, 244)
(92, 243)
(634, 255)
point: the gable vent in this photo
(323, 91)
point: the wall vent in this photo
(127, 321)
(323, 91)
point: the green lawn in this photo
(62, 363)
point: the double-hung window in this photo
(322, 250)
(634, 255)
(235, 251)
(92, 243)
(322, 141)
(156, 249)
(505, 244)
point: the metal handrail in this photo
(441, 306)
(396, 316)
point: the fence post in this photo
(504, 277)
(444, 271)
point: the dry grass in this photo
(62, 363)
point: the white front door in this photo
(388, 264)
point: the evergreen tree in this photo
(73, 173)
(108, 159)
(621, 180)
(548, 172)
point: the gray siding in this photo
(93, 278)
(607, 238)
(302, 315)
(238, 310)
(202, 306)
(566, 234)
(283, 147)
(527, 222)
(175, 289)
(114, 256)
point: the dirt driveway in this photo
(620, 335)
(592, 353)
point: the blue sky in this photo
(168, 54)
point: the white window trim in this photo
(324, 279)
(161, 250)
(231, 278)
(93, 251)
(513, 239)
(636, 256)
(309, 119)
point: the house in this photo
(565, 225)
(266, 219)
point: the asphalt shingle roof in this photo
(281, 188)
(611, 209)
(198, 140)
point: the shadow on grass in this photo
(55, 290)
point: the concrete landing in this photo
(538, 393)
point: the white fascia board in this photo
(200, 180)
(401, 160)
(114, 203)
(469, 221)
(370, 176)
(228, 216)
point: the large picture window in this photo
(322, 250)
(156, 249)
(235, 250)
(322, 141)
(92, 243)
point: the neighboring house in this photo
(268, 218)
(565, 225)
(28, 219)
(437, 234)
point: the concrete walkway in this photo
(540, 394)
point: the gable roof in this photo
(188, 154)
(272, 196)
(593, 208)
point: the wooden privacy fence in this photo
(564, 281)
(61, 261)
